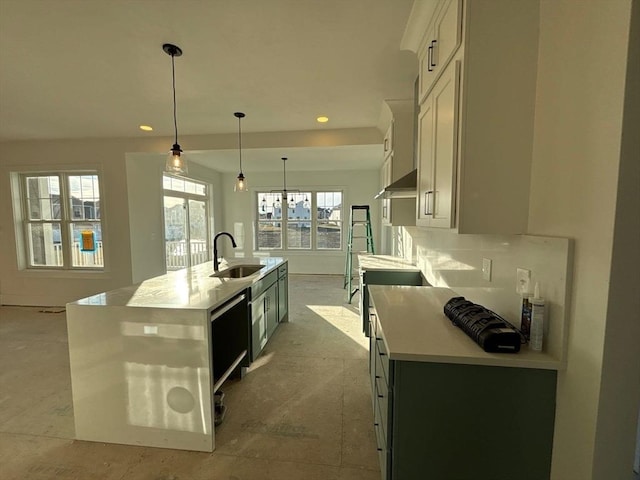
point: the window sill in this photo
(44, 273)
(281, 253)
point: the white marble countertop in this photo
(369, 261)
(415, 328)
(189, 288)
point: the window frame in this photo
(284, 220)
(205, 197)
(65, 221)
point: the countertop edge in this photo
(396, 319)
(187, 276)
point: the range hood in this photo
(405, 187)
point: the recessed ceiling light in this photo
(322, 119)
(146, 128)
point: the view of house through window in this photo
(186, 224)
(311, 220)
(62, 224)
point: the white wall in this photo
(131, 170)
(585, 186)
(23, 287)
(240, 209)
(144, 187)
(574, 180)
(451, 260)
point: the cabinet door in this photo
(438, 138)
(440, 44)
(448, 33)
(427, 73)
(388, 141)
(386, 180)
(424, 204)
(271, 309)
(283, 298)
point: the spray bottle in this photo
(537, 320)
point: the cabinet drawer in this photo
(382, 393)
(381, 441)
(264, 283)
(282, 270)
(383, 357)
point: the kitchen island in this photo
(146, 359)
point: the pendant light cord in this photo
(284, 177)
(240, 142)
(173, 73)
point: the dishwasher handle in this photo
(222, 310)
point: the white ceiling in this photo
(95, 68)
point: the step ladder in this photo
(360, 219)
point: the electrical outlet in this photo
(523, 280)
(486, 269)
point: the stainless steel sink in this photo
(238, 271)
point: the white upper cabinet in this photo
(476, 116)
(439, 44)
(399, 161)
(438, 135)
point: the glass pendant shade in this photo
(176, 162)
(241, 184)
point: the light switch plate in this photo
(486, 269)
(523, 280)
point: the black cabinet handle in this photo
(379, 449)
(432, 47)
(382, 354)
(378, 376)
(429, 55)
(380, 396)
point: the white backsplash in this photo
(451, 260)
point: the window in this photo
(321, 230)
(62, 222)
(329, 224)
(186, 222)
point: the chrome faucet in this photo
(215, 247)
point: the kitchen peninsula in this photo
(147, 359)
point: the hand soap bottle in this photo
(537, 321)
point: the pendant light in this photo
(176, 163)
(290, 202)
(241, 182)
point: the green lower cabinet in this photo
(382, 277)
(269, 305)
(466, 422)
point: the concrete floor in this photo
(303, 411)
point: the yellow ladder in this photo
(356, 220)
